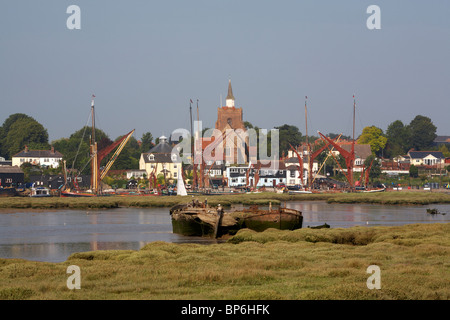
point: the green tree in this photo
(76, 148)
(146, 142)
(289, 135)
(422, 132)
(375, 169)
(413, 171)
(398, 139)
(443, 148)
(374, 137)
(24, 132)
(129, 157)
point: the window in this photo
(175, 174)
(174, 157)
(151, 157)
(292, 174)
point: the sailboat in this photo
(97, 156)
(181, 189)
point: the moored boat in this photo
(40, 192)
(199, 219)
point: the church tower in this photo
(229, 102)
(228, 116)
(231, 118)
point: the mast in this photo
(353, 142)
(200, 178)
(194, 173)
(94, 162)
(308, 148)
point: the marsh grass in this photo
(274, 264)
(264, 198)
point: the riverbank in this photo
(301, 264)
(263, 198)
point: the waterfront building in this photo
(47, 158)
(160, 161)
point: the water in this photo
(54, 235)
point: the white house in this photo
(48, 158)
(427, 158)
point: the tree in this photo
(289, 135)
(374, 137)
(375, 169)
(398, 139)
(146, 142)
(76, 148)
(422, 132)
(413, 171)
(25, 132)
(443, 148)
(129, 157)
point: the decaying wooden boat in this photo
(197, 219)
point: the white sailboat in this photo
(181, 189)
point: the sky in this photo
(145, 60)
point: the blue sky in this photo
(144, 61)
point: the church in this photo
(231, 124)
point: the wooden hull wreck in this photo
(214, 222)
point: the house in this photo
(214, 172)
(136, 174)
(48, 158)
(160, 161)
(440, 140)
(11, 176)
(263, 174)
(362, 152)
(4, 162)
(427, 158)
(57, 181)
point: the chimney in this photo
(53, 150)
(26, 149)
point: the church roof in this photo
(230, 91)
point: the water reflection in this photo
(54, 235)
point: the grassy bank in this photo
(301, 264)
(403, 197)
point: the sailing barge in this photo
(198, 219)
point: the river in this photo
(52, 235)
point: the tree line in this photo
(20, 130)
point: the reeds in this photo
(300, 264)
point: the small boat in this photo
(435, 211)
(39, 192)
(300, 192)
(199, 219)
(374, 190)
